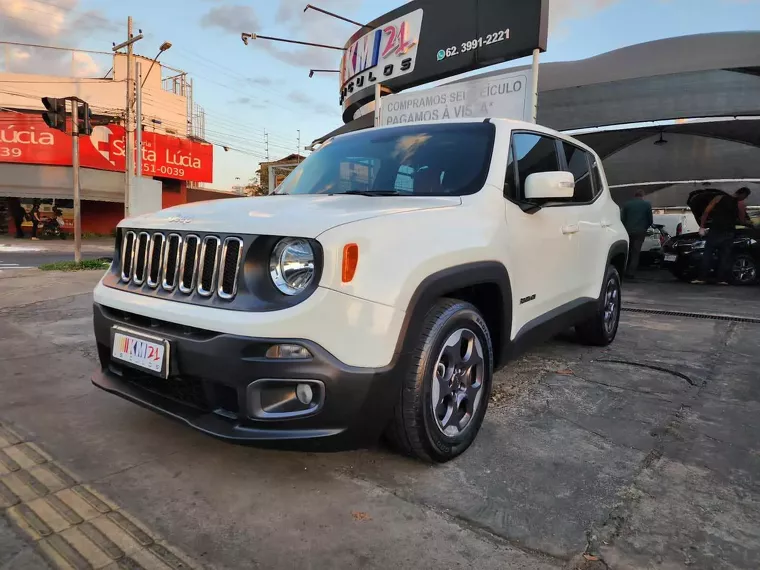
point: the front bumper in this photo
(210, 378)
(686, 264)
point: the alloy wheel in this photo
(611, 306)
(457, 387)
(744, 270)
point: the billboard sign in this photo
(25, 139)
(441, 38)
(506, 96)
(383, 53)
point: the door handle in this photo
(571, 229)
(606, 224)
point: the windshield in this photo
(420, 160)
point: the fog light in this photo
(304, 394)
(287, 351)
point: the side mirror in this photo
(543, 185)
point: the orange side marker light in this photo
(350, 261)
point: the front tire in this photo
(445, 391)
(744, 270)
(601, 329)
(683, 275)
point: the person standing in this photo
(637, 218)
(35, 213)
(19, 215)
(722, 214)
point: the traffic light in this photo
(55, 116)
(84, 118)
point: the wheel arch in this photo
(486, 285)
(618, 257)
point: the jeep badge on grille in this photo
(178, 220)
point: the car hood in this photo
(699, 199)
(298, 216)
(741, 234)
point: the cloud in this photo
(44, 22)
(259, 81)
(299, 98)
(305, 101)
(84, 65)
(560, 11)
(92, 20)
(231, 18)
(251, 103)
(290, 21)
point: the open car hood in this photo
(700, 199)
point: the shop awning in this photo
(38, 181)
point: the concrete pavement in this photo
(643, 454)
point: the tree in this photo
(254, 188)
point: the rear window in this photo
(419, 160)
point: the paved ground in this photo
(643, 455)
(24, 254)
(660, 290)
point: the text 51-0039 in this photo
(464, 47)
(151, 168)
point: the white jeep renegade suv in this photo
(375, 292)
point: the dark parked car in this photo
(683, 253)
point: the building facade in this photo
(35, 161)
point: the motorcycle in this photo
(51, 229)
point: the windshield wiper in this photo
(369, 193)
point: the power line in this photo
(221, 123)
(86, 80)
(24, 44)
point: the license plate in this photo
(141, 351)
(670, 257)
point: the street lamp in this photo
(162, 48)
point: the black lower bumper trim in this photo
(209, 376)
(209, 423)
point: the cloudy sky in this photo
(265, 86)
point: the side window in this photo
(578, 164)
(533, 153)
(598, 185)
(510, 181)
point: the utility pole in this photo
(128, 123)
(128, 170)
(298, 148)
(75, 171)
(138, 116)
(266, 141)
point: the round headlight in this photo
(292, 265)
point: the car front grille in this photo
(208, 265)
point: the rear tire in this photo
(601, 329)
(445, 391)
